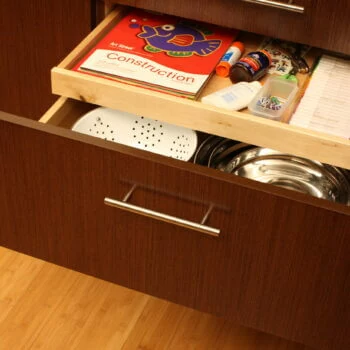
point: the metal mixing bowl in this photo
(292, 172)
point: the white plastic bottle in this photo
(234, 97)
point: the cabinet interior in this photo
(251, 41)
(215, 83)
(240, 126)
(194, 114)
(65, 112)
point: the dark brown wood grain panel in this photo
(324, 23)
(280, 265)
(330, 28)
(35, 36)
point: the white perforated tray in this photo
(136, 131)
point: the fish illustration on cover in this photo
(178, 40)
(159, 52)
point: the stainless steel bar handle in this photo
(161, 216)
(279, 5)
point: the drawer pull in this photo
(280, 5)
(201, 227)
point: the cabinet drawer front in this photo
(192, 114)
(261, 17)
(279, 264)
(319, 23)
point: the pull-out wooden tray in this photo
(192, 114)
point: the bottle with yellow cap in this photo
(232, 55)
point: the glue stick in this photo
(229, 59)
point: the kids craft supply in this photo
(273, 99)
(234, 97)
(229, 59)
(159, 52)
(287, 57)
(251, 67)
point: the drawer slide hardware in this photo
(277, 4)
(201, 227)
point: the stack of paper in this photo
(325, 106)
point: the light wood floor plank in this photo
(47, 307)
(15, 271)
(43, 296)
(156, 327)
(94, 315)
(117, 315)
(164, 325)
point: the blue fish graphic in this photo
(178, 40)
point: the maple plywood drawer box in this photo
(280, 261)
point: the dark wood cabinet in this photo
(276, 266)
(281, 261)
(322, 24)
(329, 26)
(35, 35)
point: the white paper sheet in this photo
(325, 106)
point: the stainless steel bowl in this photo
(295, 173)
(205, 148)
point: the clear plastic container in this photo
(274, 97)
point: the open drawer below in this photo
(192, 114)
(278, 255)
(66, 112)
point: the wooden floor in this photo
(43, 306)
